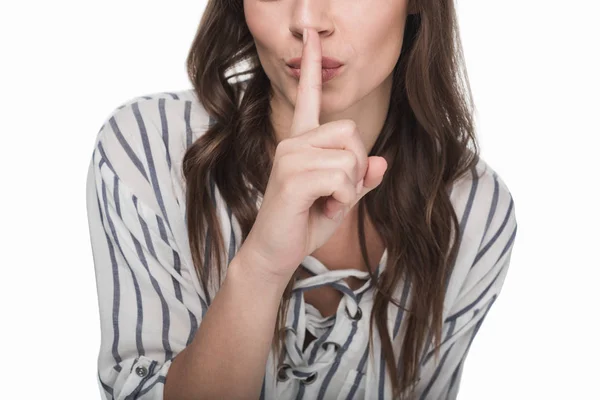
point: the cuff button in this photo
(141, 371)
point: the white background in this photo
(533, 67)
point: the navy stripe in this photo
(498, 233)
(427, 346)
(176, 284)
(207, 255)
(104, 159)
(150, 161)
(484, 292)
(403, 303)
(232, 241)
(106, 388)
(138, 297)
(360, 374)
(296, 311)
(436, 374)
(317, 344)
(458, 370)
(447, 337)
(469, 205)
(134, 159)
(336, 363)
(492, 210)
(313, 355)
(165, 129)
(339, 355)
(382, 375)
(160, 379)
(116, 285)
(206, 266)
(464, 219)
(193, 328)
(188, 127)
(166, 317)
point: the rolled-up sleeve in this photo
(440, 378)
(149, 309)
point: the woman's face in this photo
(364, 35)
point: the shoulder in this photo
(483, 203)
(143, 140)
(152, 132)
(487, 220)
(175, 117)
(488, 226)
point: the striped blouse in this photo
(151, 302)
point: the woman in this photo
(224, 268)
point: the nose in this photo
(297, 32)
(314, 14)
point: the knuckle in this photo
(350, 161)
(284, 165)
(339, 177)
(283, 147)
(349, 128)
(287, 186)
(350, 158)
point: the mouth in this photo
(327, 74)
(326, 62)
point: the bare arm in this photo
(227, 358)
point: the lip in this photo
(327, 74)
(326, 62)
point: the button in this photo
(141, 371)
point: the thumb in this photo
(374, 176)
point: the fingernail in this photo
(305, 35)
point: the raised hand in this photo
(318, 171)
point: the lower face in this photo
(366, 36)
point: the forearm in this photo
(227, 358)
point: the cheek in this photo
(264, 50)
(378, 45)
(265, 40)
(262, 25)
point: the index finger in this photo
(308, 92)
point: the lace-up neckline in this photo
(330, 332)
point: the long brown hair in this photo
(428, 141)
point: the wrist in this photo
(249, 267)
